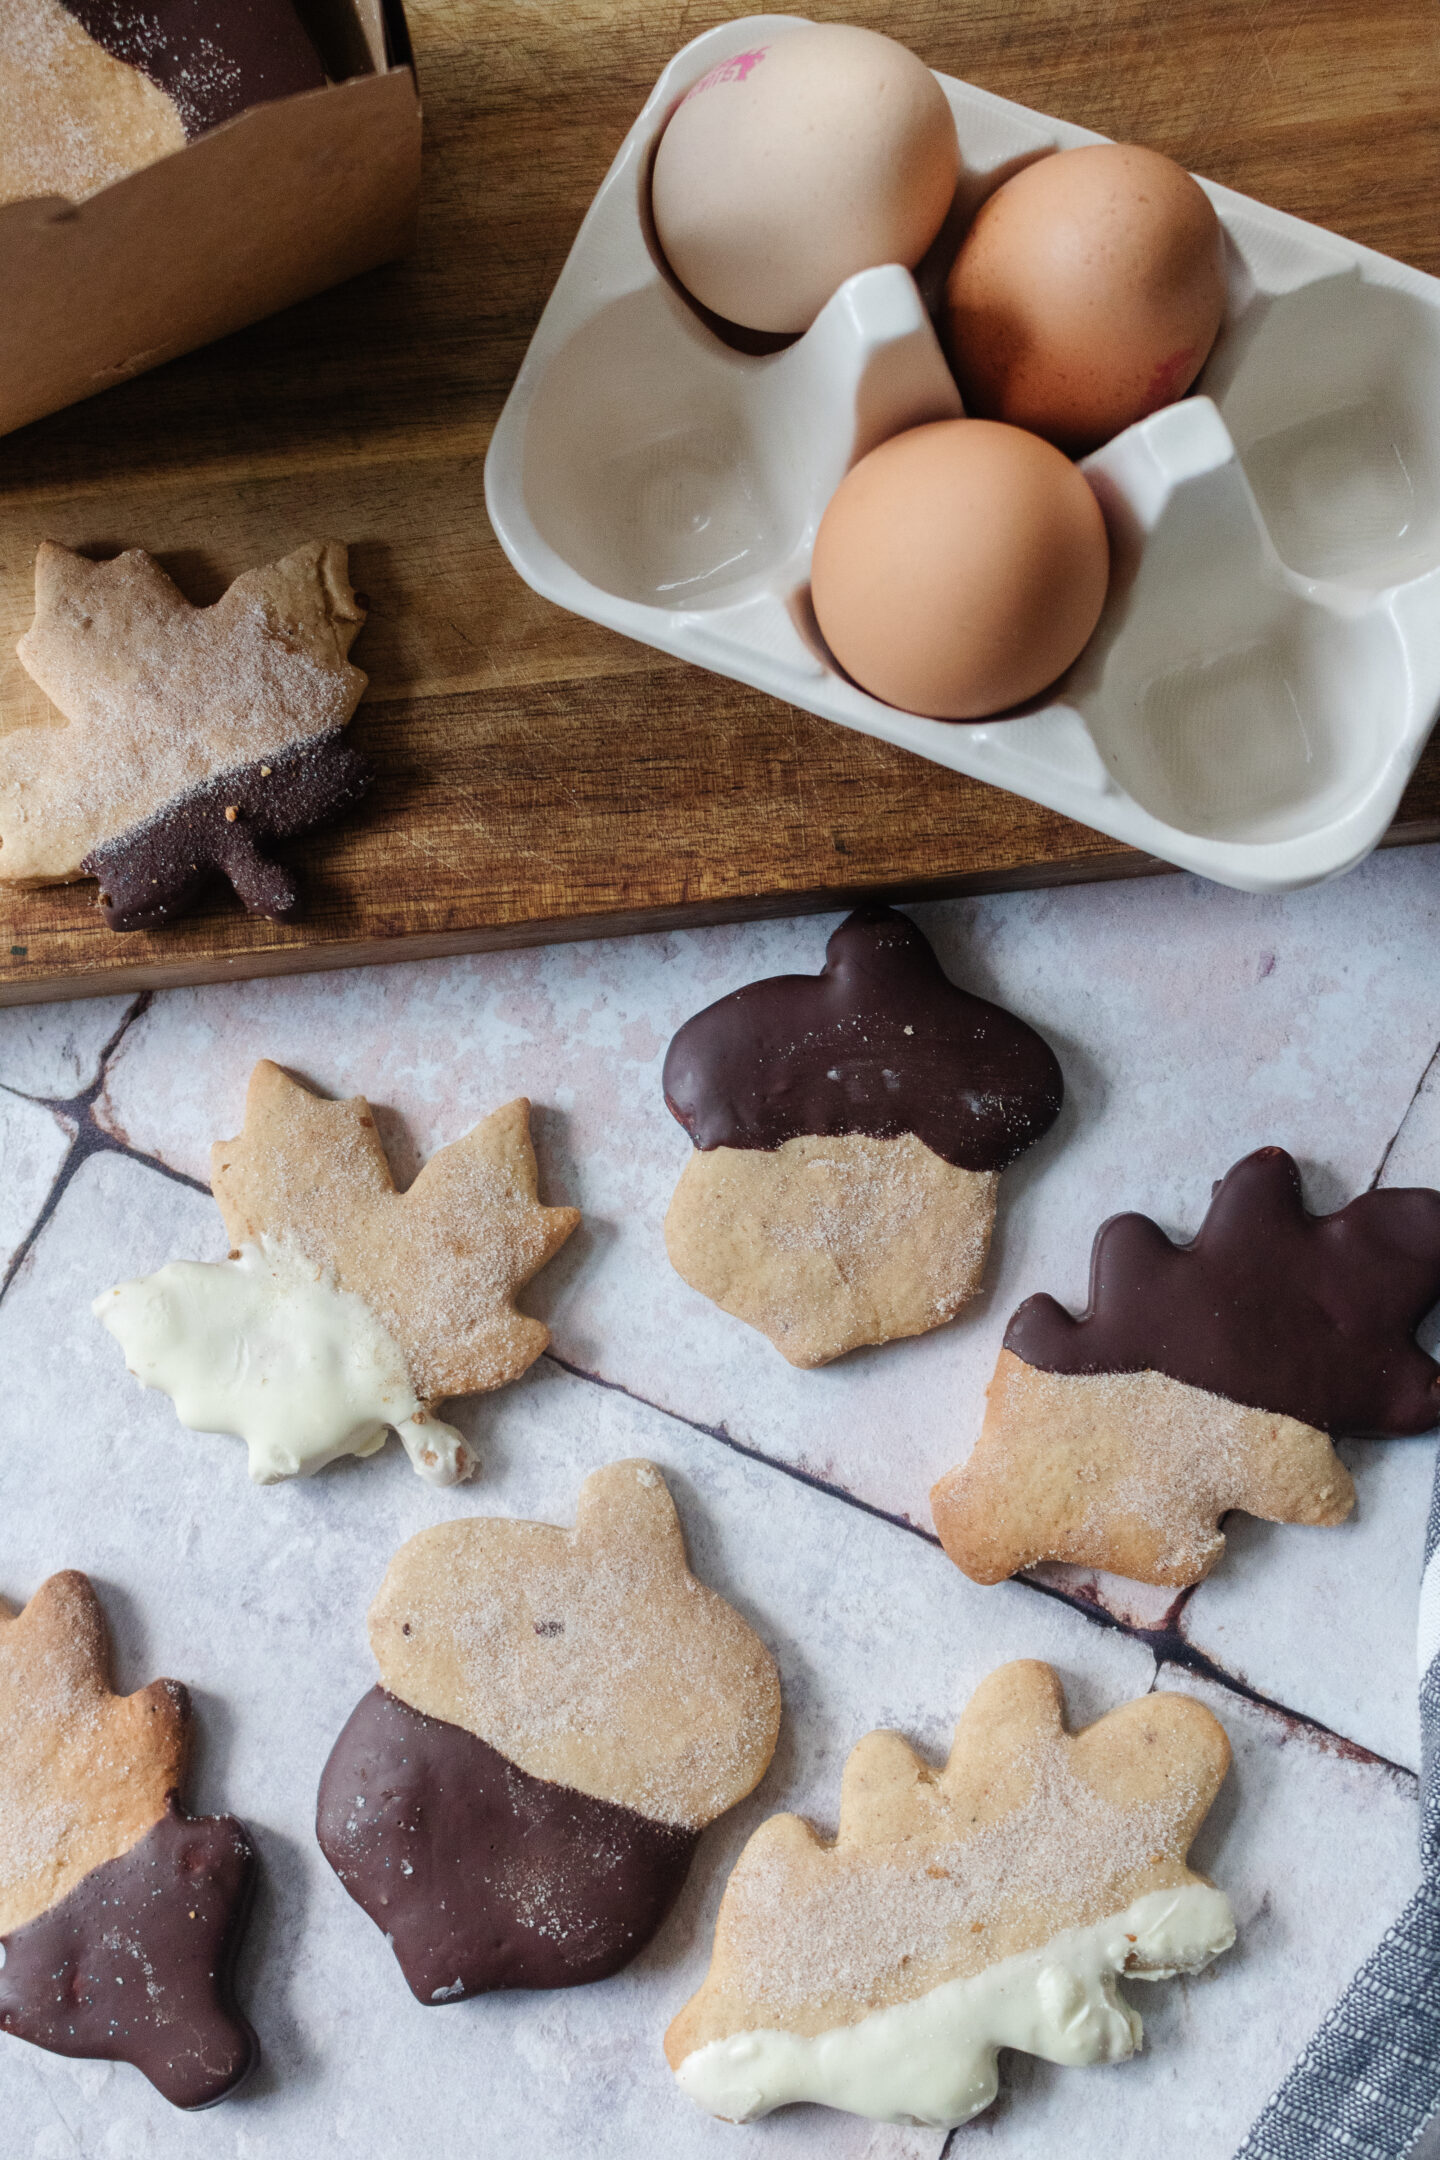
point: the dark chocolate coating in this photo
(1312, 1316)
(481, 1875)
(212, 58)
(160, 868)
(880, 1042)
(135, 1965)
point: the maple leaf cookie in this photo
(850, 1129)
(194, 737)
(346, 1307)
(991, 1904)
(1203, 1377)
(120, 1915)
(560, 1713)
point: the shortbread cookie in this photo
(991, 1904)
(120, 1915)
(560, 1714)
(194, 737)
(1203, 1377)
(93, 89)
(346, 1307)
(850, 1129)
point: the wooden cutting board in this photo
(541, 778)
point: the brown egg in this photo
(787, 168)
(959, 568)
(1087, 294)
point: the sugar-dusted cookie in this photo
(990, 1904)
(346, 1307)
(850, 1129)
(193, 737)
(560, 1713)
(120, 1915)
(1203, 1377)
(93, 89)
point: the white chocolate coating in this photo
(265, 1346)
(931, 2061)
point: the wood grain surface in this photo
(541, 777)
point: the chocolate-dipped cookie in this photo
(120, 1915)
(1202, 1377)
(850, 1129)
(93, 89)
(560, 1713)
(195, 737)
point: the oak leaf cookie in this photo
(346, 1307)
(120, 1915)
(850, 1129)
(991, 1904)
(1203, 1377)
(193, 737)
(560, 1714)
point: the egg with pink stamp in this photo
(789, 167)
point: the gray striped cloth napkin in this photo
(1369, 2082)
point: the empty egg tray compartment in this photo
(1267, 667)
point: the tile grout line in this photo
(87, 1139)
(718, 1433)
(1166, 1644)
(1404, 1120)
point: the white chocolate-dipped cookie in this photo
(346, 1308)
(991, 1904)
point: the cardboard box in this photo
(272, 206)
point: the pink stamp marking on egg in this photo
(734, 70)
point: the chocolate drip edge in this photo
(481, 1875)
(1303, 1316)
(157, 869)
(880, 1042)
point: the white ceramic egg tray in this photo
(1267, 667)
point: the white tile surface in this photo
(1324, 1620)
(55, 1050)
(33, 1144)
(1193, 1025)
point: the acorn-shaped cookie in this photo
(1203, 1377)
(120, 1915)
(993, 1903)
(850, 1129)
(560, 1714)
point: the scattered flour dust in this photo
(40, 1812)
(72, 119)
(439, 1265)
(878, 1924)
(601, 1664)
